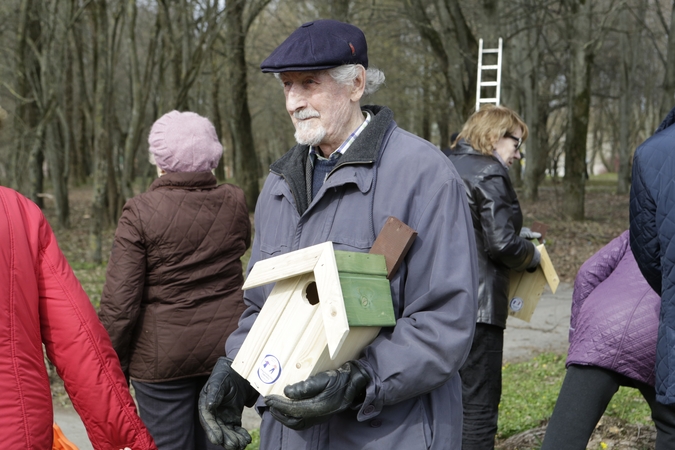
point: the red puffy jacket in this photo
(42, 302)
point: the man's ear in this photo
(359, 85)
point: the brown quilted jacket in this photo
(172, 293)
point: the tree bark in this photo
(99, 218)
(28, 154)
(627, 73)
(668, 99)
(578, 108)
(140, 92)
(215, 113)
(246, 167)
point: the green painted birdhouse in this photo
(325, 307)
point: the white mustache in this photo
(305, 114)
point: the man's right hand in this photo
(221, 404)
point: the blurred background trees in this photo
(83, 80)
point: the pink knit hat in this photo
(184, 142)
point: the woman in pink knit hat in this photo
(173, 284)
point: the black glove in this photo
(221, 404)
(317, 398)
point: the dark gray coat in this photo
(497, 220)
(414, 398)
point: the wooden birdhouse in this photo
(325, 307)
(526, 288)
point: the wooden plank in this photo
(311, 354)
(393, 241)
(362, 263)
(267, 320)
(548, 269)
(357, 339)
(526, 289)
(290, 329)
(304, 358)
(331, 301)
(367, 300)
(283, 266)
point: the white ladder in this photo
(492, 83)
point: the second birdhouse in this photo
(526, 288)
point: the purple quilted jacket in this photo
(615, 314)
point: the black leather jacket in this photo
(497, 220)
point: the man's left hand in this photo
(317, 398)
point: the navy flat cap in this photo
(319, 45)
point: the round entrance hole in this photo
(311, 293)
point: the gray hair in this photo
(346, 74)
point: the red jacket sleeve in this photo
(79, 347)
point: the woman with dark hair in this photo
(482, 154)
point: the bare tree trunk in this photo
(215, 113)
(578, 108)
(140, 92)
(525, 64)
(52, 97)
(83, 107)
(27, 116)
(57, 156)
(246, 167)
(101, 148)
(628, 44)
(35, 161)
(667, 101)
(443, 123)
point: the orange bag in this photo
(60, 440)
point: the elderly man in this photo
(351, 169)
(652, 230)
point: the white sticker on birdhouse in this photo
(269, 370)
(516, 304)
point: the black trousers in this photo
(584, 396)
(482, 387)
(169, 410)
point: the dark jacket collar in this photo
(185, 180)
(364, 150)
(463, 148)
(668, 121)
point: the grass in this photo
(530, 390)
(255, 440)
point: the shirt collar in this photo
(346, 144)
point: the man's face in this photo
(319, 107)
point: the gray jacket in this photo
(414, 398)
